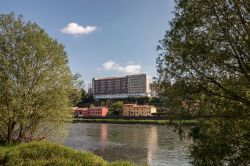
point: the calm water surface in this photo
(154, 145)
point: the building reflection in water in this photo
(104, 135)
(142, 144)
(131, 138)
(152, 143)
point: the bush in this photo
(122, 163)
(45, 153)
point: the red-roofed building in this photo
(98, 111)
(138, 110)
(95, 111)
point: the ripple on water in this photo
(155, 145)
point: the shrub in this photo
(50, 154)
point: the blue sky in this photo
(102, 37)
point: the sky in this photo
(101, 37)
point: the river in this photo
(151, 144)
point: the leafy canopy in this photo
(35, 79)
(206, 53)
(204, 68)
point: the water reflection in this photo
(134, 138)
(215, 142)
(154, 145)
(104, 136)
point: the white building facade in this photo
(121, 87)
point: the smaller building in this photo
(81, 111)
(95, 111)
(138, 110)
(98, 111)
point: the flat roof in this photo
(80, 108)
(97, 107)
(137, 106)
(109, 78)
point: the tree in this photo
(207, 50)
(35, 80)
(204, 66)
(221, 142)
(116, 108)
(78, 91)
(91, 106)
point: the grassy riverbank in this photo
(50, 154)
(136, 121)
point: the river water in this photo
(151, 144)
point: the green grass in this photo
(137, 121)
(51, 154)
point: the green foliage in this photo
(35, 80)
(204, 58)
(138, 100)
(45, 153)
(77, 93)
(86, 100)
(203, 68)
(116, 108)
(219, 141)
(122, 163)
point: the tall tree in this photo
(207, 51)
(35, 79)
(78, 90)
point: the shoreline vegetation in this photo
(136, 121)
(48, 153)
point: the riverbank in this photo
(46, 153)
(136, 121)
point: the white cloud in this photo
(128, 69)
(75, 29)
(99, 69)
(108, 65)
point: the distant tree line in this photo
(116, 105)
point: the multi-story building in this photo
(121, 87)
(111, 87)
(138, 110)
(95, 111)
(138, 85)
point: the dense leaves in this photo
(116, 108)
(50, 154)
(207, 50)
(35, 79)
(204, 68)
(220, 141)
